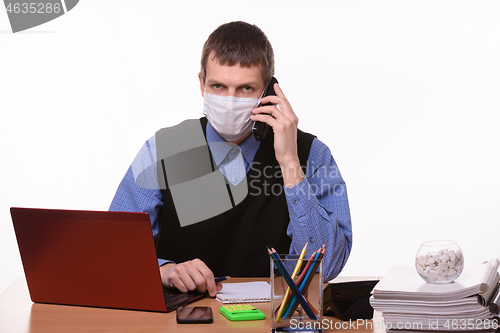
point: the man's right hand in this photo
(188, 276)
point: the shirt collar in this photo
(220, 148)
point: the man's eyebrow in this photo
(212, 81)
(250, 84)
(245, 84)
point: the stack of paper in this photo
(408, 303)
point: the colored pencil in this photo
(294, 274)
(302, 275)
(306, 282)
(298, 295)
(222, 278)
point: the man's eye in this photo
(247, 89)
(217, 86)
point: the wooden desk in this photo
(19, 314)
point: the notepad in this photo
(245, 292)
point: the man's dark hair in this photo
(239, 42)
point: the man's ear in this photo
(202, 85)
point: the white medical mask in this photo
(229, 115)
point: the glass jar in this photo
(439, 261)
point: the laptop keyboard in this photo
(171, 298)
(174, 298)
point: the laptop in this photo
(93, 258)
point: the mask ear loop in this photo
(261, 95)
(258, 103)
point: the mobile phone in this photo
(194, 315)
(260, 129)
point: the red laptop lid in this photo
(89, 258)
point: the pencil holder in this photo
(289, 312)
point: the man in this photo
(216, 196)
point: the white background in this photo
(405, 94)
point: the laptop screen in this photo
(89, 258)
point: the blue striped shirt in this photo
(318, 205)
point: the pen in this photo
(222, 278)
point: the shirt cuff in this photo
(162, 262)
(300, 199)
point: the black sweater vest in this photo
(234, 242)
